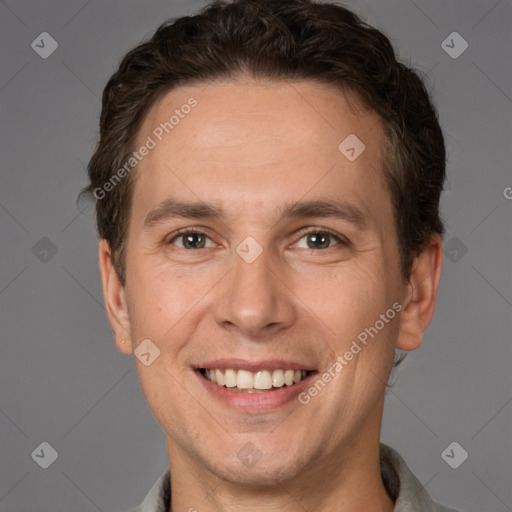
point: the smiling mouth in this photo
(262, 381)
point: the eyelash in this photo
(340, 239)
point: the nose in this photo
(254, 299)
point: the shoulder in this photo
(158, 498)
(407, 491)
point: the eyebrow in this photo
(171, 208)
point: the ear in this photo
(115, 300)
(420, 301)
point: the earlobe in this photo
(420, 302)
(115, 299)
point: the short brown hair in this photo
(277, 40)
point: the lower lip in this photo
(255, 402)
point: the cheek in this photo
(167, 306)
(346, 299)
(163, 295)
(350, 304)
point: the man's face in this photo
(210, 300)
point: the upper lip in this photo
(252, 366)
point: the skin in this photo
(253, 147)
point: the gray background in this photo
(62, 381)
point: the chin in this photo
(264, 473)
(257, 468)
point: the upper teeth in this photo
(263, 379)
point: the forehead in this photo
(259, 142)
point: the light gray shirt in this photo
(403, 487)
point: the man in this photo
(267, 183)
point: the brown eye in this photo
(320, 240)
(190, 240)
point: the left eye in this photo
(319, 240)
(191, 240)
